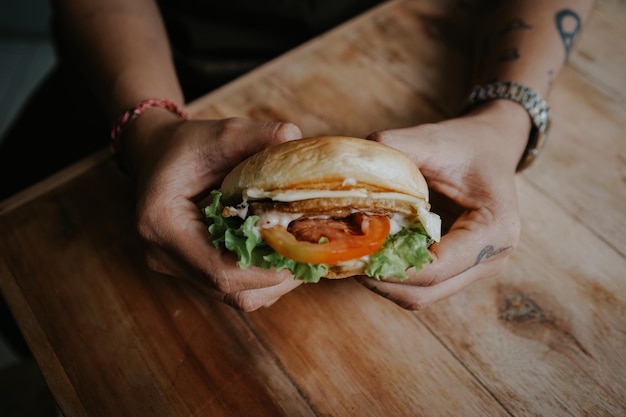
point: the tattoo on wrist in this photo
(568, 24)
(515, 24)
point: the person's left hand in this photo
(470, 160)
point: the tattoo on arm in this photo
(568, 24)
(514, 24)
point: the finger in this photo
(270, 303)
(239, 138)
(219, 271)
(251, 300)
(423, 146)
(461, 258)
(475, 238)
(269, 133)
(418, 297)
(190, 253)
(284, 132)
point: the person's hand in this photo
(470, 160)
(174, 170)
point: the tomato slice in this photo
(362, 235)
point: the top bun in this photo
(327, 163)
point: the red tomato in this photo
(343, 240)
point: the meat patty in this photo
(315, 229)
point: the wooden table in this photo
(547, 338)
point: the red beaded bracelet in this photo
(130, 115)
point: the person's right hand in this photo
(175, 164)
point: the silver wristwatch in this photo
(534, 104)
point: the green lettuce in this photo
(408, 248)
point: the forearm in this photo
(528, 41)
(121, 48)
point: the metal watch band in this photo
(534, 104)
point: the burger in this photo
(326, 207)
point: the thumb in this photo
(278, 132)
(233, 140)
(422, 143)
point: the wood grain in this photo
(585, 167)
(547, 337)
(386, 69)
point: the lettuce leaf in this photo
(408, 248)
(241, 238)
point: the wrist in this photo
(145, 139)
(511, 124)
(136, 130)
(524, 98)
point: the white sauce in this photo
(270, 219)
(242, 210)
(397, 222)
(348, 181)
